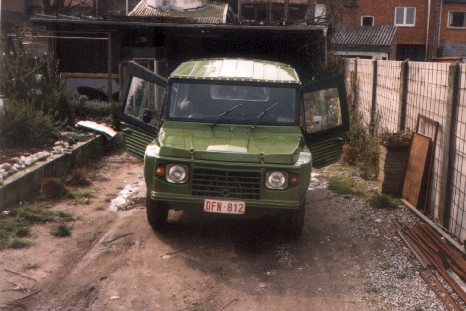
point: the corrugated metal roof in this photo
(212, 13)
(236, 70)
(364, 35)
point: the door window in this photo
(143, 97)
(322, 109)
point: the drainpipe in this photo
(127, 7)
(440, 24)
(326, 46)
(428, 28)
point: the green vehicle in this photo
(231, 137)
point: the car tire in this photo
(157, 214)
(295, 221)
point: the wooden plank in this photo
(416, 171)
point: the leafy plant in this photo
(395, 139)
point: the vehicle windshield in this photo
(233, 103)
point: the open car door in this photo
(326, 118)
(140, 107)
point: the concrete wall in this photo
(27, 182)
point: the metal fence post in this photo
(449, 145)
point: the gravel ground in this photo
(392, 282)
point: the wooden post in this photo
(403, 95)
(109, 67)
(449, 128)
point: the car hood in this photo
(231, 143)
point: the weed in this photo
(344, 186)
(382, 201)
(32, 216)
(31, 266)
(53, 187)
(19, 243)
(65, 216)
(62, 231)
(365, 145)
(386, 266)
(16, 224)
(23, 232)
(401, 276)
(83, 194)
(79, 177)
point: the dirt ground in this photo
(114, 261)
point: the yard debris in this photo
(436, 254)
(97, 127)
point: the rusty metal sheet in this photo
(417, 171)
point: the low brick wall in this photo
(28, 181)
(392, 168)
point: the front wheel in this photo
(157, 214)
(295, 221)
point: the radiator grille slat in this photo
(226, 184)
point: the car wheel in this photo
(157, 214)
(295, 221)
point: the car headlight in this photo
(177, 173)
(276, 180)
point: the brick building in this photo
(426, 29)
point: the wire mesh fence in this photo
(427, 89)
(388, 94)
(364, 78)
(458, 198)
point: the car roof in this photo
(236, 69)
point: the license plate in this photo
(224, 206)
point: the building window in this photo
(405, 16)
(457, 19)
(352, 3)
(367, 20)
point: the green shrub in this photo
(62, 111)
(92, 109)
(367, 144)
(21, 124)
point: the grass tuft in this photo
(62, 230)
(349, 186)
(19, 243)
(31, 266)
(382, 201)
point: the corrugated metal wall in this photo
(430, 90)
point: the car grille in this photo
(226, 184)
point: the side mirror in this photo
(147, 116)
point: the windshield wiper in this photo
(262, 114)
(224, 114)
